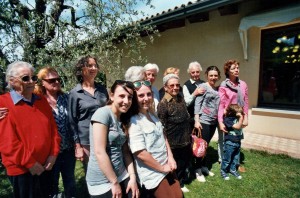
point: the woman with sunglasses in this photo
(29, 142)
(50, 86)
(84, 100)
(110, 170)
(206, 113)
(173, 114)
(153, 157)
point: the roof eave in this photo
(188, 10)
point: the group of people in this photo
(134, 141)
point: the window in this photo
(280, 68)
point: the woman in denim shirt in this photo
(154, 160)
(110, 170)
(84, 100)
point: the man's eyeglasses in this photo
(138, 84)
(27, 78)
(52, 80)
(172, 86)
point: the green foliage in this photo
(57, 33)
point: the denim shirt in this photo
(145, 135)
(82, 105)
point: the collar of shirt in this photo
(78, 87)
(196, 82)
(16, 98)
(168, 97)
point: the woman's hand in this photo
(50, 162)
(132, 185)
(79, 152)
(3, 112)
(36, 169)
(199, 91)
(172, 163)
(166, 168)
(116, 190)
(245, 123)
(198, 125)
(222, 127)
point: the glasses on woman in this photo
(52, 80)
(138, 84)
(27, 78)
(172, 86)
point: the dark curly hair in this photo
(82, 62)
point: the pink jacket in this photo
(227, 97)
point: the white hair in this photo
(135, 73)
(168, 77)
(194, 64)
(150, 66)
(13, 70)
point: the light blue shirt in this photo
(145, 135)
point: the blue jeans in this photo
(231, 156)
(65, 164)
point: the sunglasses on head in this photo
(138, 84)
(27, 78)
(52, 80)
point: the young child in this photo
(233, 121)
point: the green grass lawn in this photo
(267, 176)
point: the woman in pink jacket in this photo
(232, 91)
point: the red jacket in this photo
(28, 134)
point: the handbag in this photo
(199, 145)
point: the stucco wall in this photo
(212, 43)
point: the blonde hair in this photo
(43, 73)
(171, 70)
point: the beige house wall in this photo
(212, 43)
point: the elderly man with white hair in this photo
(190, 88)
(151, 71)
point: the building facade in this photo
(263, 36)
